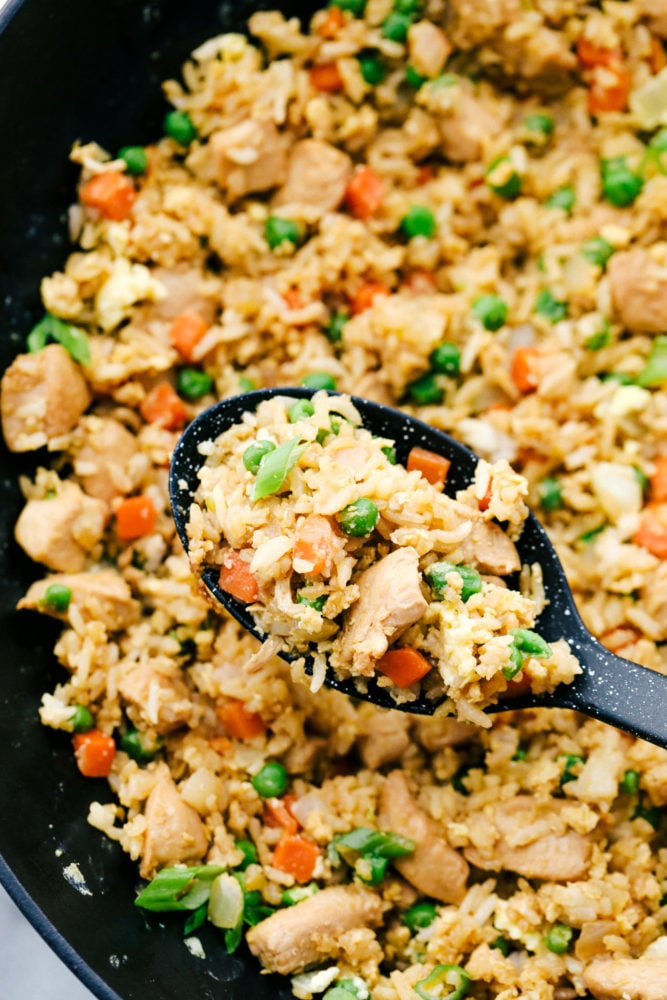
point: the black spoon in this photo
(610, 688)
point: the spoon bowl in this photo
(610, 688)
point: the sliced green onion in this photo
(597, 251)
(254, 908)
(420, 915)
(57, 597)
(598, 340)
(249, 852)
(524, 643)
(359, 518)
(312, 602)
(246, 384)
(389, 453)
(654, 372)
(371, 869)
(195, 919)
(550, 493)
(275, 467)
(547, 305)
(298, 893)
(334, 331)
(559, 938)
(540, 124)
(652, 815)
(254, 453)
(444, 975)
(437, 574)
(592, 533)
(178, 888)
(378, 843)
(72, 338)
(502, 944)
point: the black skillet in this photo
(77, 69)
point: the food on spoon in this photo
(366, 564)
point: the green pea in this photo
(354, 7)
(137, 746)
(254, 453)
(502, 944)
(550, 493)
(246, 384)
(654, 372)
(57, 597)
(413, 78)
(249, 852)
(278, 230)
(271, 780)
(334, 331)
(319, 380)
(82, 720)
(597, 250)
(598, 340)
(359, 518)
(622, 378)
(652, 815)
(559, 938)
(135, 158)
(446, 358)
(659, 141)
(372, 69)
(620, 185)
(572, 760)
(395, 27)
(437, 575)
(371, 869)
(420, 915)
(520, 754)
(411, 7)
(193, 383)
(425, 390)
(503, 179)
(419, 221)
(178, 125)
(542, 125)
(389, 453)
(491, 311)
(547, 305)
(630, 782)
(301, 410)
(564, 198)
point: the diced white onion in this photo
(649, 102)
(617, 489)
(225, 904)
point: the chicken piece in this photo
(186, 289)
(157, 697)
(102, 596)
(656, 12)
(428, 48)
(390, 600)
(302, 935)
(43, 396)
(627, 979)
(248, 157)
(465, 128)
(489, 549)
(317, 176)
(434, 867)
(654, 781)
(639, 290)
(386, 737)
(442, 731)
(174, 831)
(103, 458)
(527, 844)
(591, 941)
(60, 531)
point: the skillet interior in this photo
(74, 69)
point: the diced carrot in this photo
(186, 332)
(658, 481)
(425, 174)
(332, 23)
(590, 55)
(293, 296)
(163, 406)
(94, 752)
(609, 89)
(135, 517)
(523, 370)
(326, 77)
(483, 504)
(313, 546)
(657, 59)
(112, 193)
(421, 282)
(364, 193)
(404, 665)
(238, 721)
(432, 466)
(652, 531)
(220, 744)
(236, 577)
(364, 296)
(297, 856)
(277, 813)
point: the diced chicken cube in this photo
(248, 157)
(639, 290)
(43, 396)
(103, 458)
(174, 832)
(527, 844)
(465, 127)
(103, 596)
(627, 979)
(386, 737)
(60, 531)
(489, 549)
(428, 48)
(294, 938)
(186, 289)
(317, 176)
(157, 697)
(390, 600)
(434, 867)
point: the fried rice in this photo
(459, 209)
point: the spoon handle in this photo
(616, 690)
